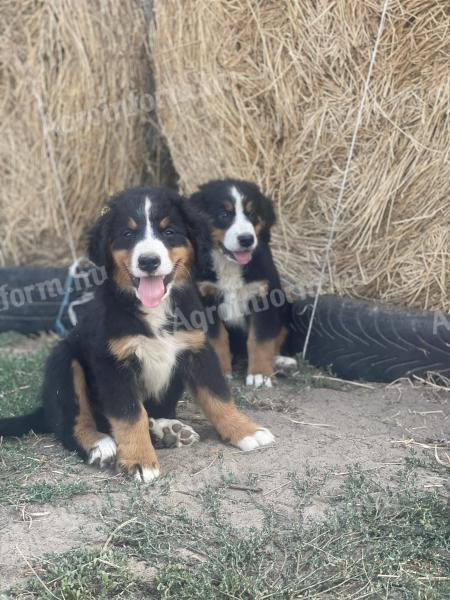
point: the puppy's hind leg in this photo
(99, 448)
(67, 408)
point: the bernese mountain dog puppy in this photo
(129, 358)
(240, 287)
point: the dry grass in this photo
(269, 91)
(87, 62)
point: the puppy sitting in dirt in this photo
(241, 289)
(129, 358)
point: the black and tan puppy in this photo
(129, 358)
(241, 287)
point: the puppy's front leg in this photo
(221, 343)
(261, 356)
(211, 391)
(217, 332)
(135, 452)
(121, 405)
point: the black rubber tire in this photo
(360, 340)
(33, 312)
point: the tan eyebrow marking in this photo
(228, 205)
(248, 206)
(132, 223)
(164, 222)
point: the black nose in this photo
(246, 240)
(149, 262)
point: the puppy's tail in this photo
(17, 426)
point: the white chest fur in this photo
(235, 292)
(157, 355)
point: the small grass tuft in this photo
(20, 378)
(40, 492)
(86, 573)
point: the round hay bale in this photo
(81, 70)
(270, 90)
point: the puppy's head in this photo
(147, 238)
(240, 216)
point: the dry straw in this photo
(270, 91)
(87, 62)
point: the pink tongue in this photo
(243, 257)
(150, 291)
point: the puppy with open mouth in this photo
(123, 368)
(241, 288)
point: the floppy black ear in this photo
(98, 238)
(198, 201)
(199, 233)
(268, 217)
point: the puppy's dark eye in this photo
(224, 215)
(128, 233)
(168, 232)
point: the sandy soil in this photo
(320, 428)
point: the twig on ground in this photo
(244, 488)
(310, 424)
(338, 379)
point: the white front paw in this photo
(103, 453)
(262, 437)
(259, 380)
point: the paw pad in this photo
(172, 433)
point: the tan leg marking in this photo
(221, 345)
(85, 429)
(280, 339)
(230, 423)
(135, 452)
(260, 355)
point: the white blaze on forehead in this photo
(240, 218)
(150, 244)
(147, 207)
(241, 224)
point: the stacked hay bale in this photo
(270, 90)
(74, 81)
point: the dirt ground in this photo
(319, 428)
